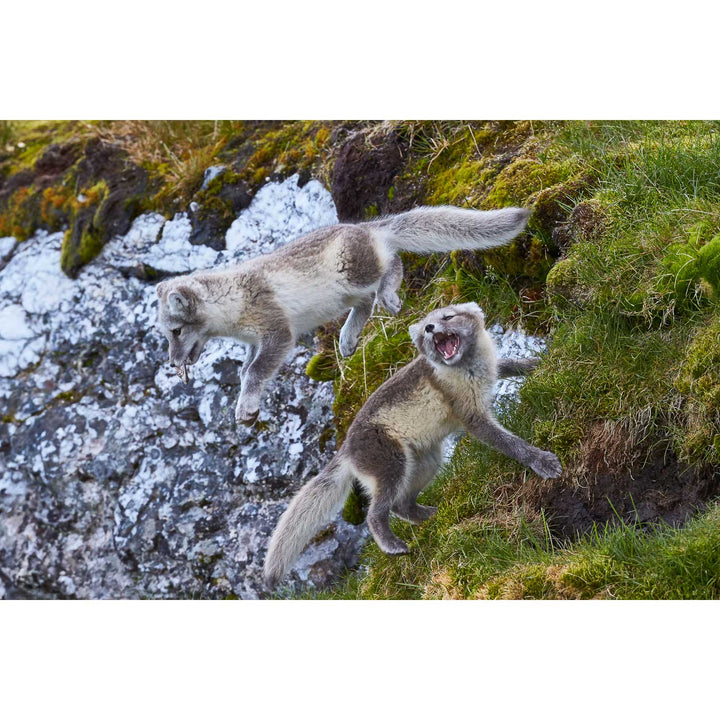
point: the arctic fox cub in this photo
(269, 300)
(394, 445)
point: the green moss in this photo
(21, 215)
(561, 434)
(293, 147)
(356, 505)
(564, 283)
(322, 367)
(525, 177)
(69, 396)
(699, 382)
(324, 438)
(87, 234)
(456, 185)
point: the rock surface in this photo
(116, 479)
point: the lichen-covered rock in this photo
(116, 480)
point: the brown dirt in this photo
(365, 169)
(619, 479)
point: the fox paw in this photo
(347, 345)
(391, 302)
(415, 515)
(546, 465)
(393, 546)
(527, 365)
(246, 412)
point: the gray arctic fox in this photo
(269, 300)
(394, 444)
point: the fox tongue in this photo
(447, 346)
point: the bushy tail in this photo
(440, 229)
(317, 503)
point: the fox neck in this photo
(224, 313)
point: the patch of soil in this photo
(586, 222)
(604, 487)
(366, 166)
(57, 159)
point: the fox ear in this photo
(416, 334)
(473, 308)
(182, 301)
(161, 289)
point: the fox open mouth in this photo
(446, 344)
(191, 359)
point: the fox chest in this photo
(423, 418)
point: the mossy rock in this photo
(322, 367)
(84, 240)
(553, 205)
(285, 149)
(21, 215)
(563, 283)
(108, 209)
(217, 207)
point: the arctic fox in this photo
(394, 445)
(269, 300)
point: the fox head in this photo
(182, 319)
(448, 334)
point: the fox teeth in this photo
(182, 373)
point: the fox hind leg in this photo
(378, 520)
(424, 469)
(381, 465)
(387, 292)
(350, 333)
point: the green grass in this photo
(632, 315)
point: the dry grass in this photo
(180, 150)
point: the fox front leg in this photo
(511, 367)
(489, 431)
(387, 292)
(350, 332)
(266, 361)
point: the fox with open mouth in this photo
(394, 445)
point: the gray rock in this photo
(115, 479)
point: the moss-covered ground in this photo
(620, 269)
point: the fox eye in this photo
(176, 332)
(448, 317)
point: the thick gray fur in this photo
(394, 445)
(267, 302)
